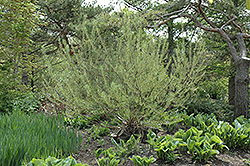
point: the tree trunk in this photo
(231, 90)
(241, 88)
(231, 83)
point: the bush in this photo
(216, 90)
(23, 137)
(127, 78)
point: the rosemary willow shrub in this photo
(126, 78)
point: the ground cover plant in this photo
(52, 161)
(23, 137)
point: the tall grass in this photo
(25, 137)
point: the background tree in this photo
(18, 20)
(58, 30)
(212, 19)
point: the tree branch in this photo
(229, 21)
(228, 17)
(204, 16)
(242, 46)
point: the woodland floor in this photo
(86, 154)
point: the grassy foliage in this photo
(24, 137)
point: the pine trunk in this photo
(241, 104)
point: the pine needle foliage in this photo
(126, 78)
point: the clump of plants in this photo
(234, 135)
(25, 137)
(98, 131)
(119, 154)
(164, 146)
(26, 102)
(201, 145)
(142, 161)
(52, 161)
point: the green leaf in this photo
(115, 143)
(39, 162)
(151, 135)
(237, 125)
(216, 139)
(213, 152)
(98, 152)
(122, 143)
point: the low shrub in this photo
(222, 110)
(23, 137)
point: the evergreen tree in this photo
(211, 18)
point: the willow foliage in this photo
(127, 78)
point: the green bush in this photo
(23, 137)
(127, 78)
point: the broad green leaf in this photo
(216, 139)
(122, 143)
(237, 124)
(39, 162)
(248, 4)
(243, 136)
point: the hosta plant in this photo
(110, 158)
(204, 147)
(201, 146)
(128, 147)
(164, 146)
(232, 137)
(52, 161)
(142, 161)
